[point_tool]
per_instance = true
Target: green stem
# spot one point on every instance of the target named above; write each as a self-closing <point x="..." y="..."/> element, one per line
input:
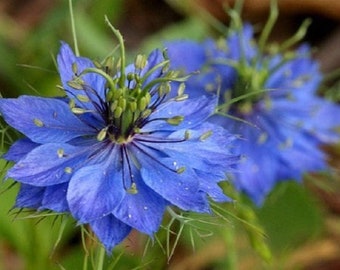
<point x="74" y="34"/>
<point x="273" y="15"/>
<point x="102" y="73"/>
<point x="101" y="257"/>
<point x="122" y="52"/>
<point x="86" y="253"/>
<point x="297" y="37"/>
<point x="231" y="254"/>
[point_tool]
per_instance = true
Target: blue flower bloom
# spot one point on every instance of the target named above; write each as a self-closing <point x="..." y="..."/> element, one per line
<point x="270" y="100"/>
<point x="117" y="150"/>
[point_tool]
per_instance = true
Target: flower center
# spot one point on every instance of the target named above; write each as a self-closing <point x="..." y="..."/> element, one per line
<point x="128" y="103"/>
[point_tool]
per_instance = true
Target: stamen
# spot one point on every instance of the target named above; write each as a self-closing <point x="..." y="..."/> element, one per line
<point x="159" y="140"/>
<point x="141" y="61"/>
<point x="181" y="97"/>
<point x="38" y="122"/>
<point x="83" y="98"/>
<point x="60" y="152"/>
<point x="77" y="110"/>
<point x="125" y="157"/>
<point x="205" y="135"/>
<point x="68" y="170"/>
<point x="176" y="120"/>
<point x="102" y="134"/>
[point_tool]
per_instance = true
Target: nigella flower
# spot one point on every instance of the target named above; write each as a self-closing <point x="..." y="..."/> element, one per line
<point x="117" y="150"/>
<point x="269" y="99"/>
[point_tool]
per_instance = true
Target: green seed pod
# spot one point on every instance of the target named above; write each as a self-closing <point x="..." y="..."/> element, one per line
<point x="142" y="103"/>
<point x="109" y="96"/>
<point x="117" y="93"/>
<point x="117" y="112"/>
<point x="133" y="106"/>
<point x="113" y="105"/>
<point x="147" y="97"/>
<point x="122" y="103"/>
<point x="130" y="76"/>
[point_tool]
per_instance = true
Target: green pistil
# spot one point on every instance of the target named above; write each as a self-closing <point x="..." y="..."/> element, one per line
<point x="129" y="100"/>
<point x="250" y="83"/>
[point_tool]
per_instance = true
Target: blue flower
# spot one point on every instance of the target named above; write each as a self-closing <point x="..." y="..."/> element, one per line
<point x="117" y="150"/>
<point x="270" y="100"/>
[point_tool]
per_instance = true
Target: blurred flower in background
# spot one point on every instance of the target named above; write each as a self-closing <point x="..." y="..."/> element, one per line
<point x="270" y="99"/>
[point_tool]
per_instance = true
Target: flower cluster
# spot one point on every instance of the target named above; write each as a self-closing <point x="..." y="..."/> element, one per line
<point x="119" y="148"/>
<point x="126" y="142"/>
<point x="269" y="99"/>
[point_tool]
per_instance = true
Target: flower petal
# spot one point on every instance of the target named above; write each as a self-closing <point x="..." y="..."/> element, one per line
<point x="143" y="210"/>
<point x="181" y="59"/>
<point x="95" y="83"/>
<point x="29" y="196"/>
<point x="209" y="184"/>
<point x="48" y="164"/>
<point x="19" y="149"/>
<point x="43" y="120"/>
<point x="110" y="231"/>
<point x="95" y="190"/>
<point x="55" y="198"/>
<point x="208" y="146"/>
<point x="179" y="188"/>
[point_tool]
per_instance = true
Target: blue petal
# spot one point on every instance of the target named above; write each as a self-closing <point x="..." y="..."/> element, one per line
<point x="95" y="83"/>
<point x="181" y="189"/>
<point x="186" y="54"/>
<point x="212" y="152"/>
<point x="257" y="176"/>
<point x="43" y="120"/>
<point x="48" y="164"/>
<point x="95" y="190"/>
<point x="29" y="196"/>
<point x="19" y="149"/>
<point x="110" y="231"/>
<point x="209" y="184"/>
<point x="55" y="198"/>
<point x="154" y="58"/>
<point x="194" y="111"/>
<point x="143" y="210"/>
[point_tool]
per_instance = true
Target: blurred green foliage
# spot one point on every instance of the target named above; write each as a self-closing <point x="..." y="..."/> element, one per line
<point x="28" y="55"/>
